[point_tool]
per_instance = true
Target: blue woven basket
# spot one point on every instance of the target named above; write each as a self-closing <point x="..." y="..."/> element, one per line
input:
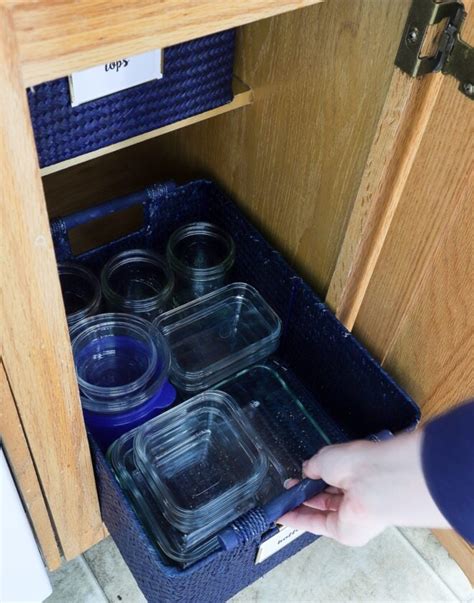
<point x="197" y="77"/>
<point x="350" y="393"/>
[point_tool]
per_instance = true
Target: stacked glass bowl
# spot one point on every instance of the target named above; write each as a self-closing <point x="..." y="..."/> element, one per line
<point x="194" y="469"/>
<point x="137" y="281"/>
<point x="81" y="292"/>
<point x="122" y="364"/>
<point x="201" y="256"/>
<point x="191" y="471"/>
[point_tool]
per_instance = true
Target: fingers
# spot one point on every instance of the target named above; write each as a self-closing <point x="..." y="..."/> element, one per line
<point x="291" y="481"/>
<point x="309" y="520"/>
<point x="328" y="523"/>
<point x="312" y="468"/>
<point x="325" y="501"/>
<point x="329" y="500"/>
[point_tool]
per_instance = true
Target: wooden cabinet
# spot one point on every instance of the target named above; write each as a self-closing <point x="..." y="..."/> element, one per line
<point x="360" y="174"/>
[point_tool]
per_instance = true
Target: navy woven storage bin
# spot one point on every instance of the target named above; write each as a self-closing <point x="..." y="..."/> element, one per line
<point x="350" y="394"/>
<point x="197" y="76"/>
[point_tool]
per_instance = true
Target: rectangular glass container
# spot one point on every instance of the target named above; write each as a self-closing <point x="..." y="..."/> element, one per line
<point x="218" y="334"/>
<point x="279" y="414"/>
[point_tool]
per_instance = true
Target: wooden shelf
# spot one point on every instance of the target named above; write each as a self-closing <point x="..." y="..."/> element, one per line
<point x="243" y="95"/>
<point x="57" y="38"/>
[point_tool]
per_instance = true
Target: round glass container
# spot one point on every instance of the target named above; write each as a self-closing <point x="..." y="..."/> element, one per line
<point x="201" y="256"/>
<point x="122" y="363"/>
<point x="81" y="291"/>
<point x="115" y="356"/>
<point x="106" y="427"/>
<point x="137" y="282"/>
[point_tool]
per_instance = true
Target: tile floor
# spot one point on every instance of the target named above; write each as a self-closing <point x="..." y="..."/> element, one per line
<point x="400" y="565"/>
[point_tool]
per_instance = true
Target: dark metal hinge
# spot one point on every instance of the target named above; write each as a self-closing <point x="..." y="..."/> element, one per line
<point x="453" y="56"/>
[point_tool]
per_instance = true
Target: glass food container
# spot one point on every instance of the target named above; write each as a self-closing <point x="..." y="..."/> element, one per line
<point x="283" y="418"/>
<point x="191" y="471"/>
<point x="202" y="460"/>
<point x="81" y="291"/>
<point x="137" y="282"/>
<point x="217" y="335"/>
<point x="122" y="364"/>
<point x="201" y="256"/>
<point x="180" y="548"/>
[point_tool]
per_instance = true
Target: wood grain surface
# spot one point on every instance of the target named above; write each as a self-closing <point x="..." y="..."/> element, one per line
<point x="35" y="340"/>
<point x="416" y="313"/>
<point x="16" y="449"/>
<point x="243" y="96"/>
<point x="399" y="133"/>
<point x="57" y="37"/>
<point x="433" y="210"/>
<point x="294" y="158"/>
<point x="431" y="351"/>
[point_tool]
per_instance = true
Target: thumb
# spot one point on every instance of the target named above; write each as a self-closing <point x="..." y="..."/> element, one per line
<point x="331" y="464"/>
<point x="312" y="467"/>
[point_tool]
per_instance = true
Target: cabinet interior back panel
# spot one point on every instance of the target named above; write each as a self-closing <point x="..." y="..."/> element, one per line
<point x="294" y="158"/>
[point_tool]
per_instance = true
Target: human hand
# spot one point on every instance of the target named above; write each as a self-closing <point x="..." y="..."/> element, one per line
<point x="372" y="485"/>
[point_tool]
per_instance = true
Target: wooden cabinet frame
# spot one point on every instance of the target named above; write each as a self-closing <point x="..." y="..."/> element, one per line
<point x="301" y="67"/>
<point x="39" y="41"/>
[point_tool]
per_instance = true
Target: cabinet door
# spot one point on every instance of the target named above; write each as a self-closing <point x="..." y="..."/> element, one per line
<point x="404" y="278"/>
<point x="16" y="449"/>
<point x="35" y="342"/>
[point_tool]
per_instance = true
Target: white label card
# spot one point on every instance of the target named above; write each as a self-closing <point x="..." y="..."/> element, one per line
<point x="275" y="543"/>
<point x="121" y="74"/>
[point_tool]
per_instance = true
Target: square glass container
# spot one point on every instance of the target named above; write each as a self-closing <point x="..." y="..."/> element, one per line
<point x="218" y="334"/>
<point x="181" y="548"/>
<point x="203" y="461"/>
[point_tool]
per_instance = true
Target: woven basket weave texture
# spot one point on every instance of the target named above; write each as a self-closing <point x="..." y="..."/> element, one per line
<point x="351" y="395"/>
<point x="197" y="76"/>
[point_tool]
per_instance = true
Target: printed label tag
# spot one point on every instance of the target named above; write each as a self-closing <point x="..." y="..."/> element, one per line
<point x="121" y="74"/>
<point x="276" y="542"/>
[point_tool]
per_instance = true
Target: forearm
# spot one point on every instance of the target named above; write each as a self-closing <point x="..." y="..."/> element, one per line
<point x="389" y="478"/>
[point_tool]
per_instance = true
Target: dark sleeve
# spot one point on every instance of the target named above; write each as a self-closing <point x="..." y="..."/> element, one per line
<point x="448" y="466"/>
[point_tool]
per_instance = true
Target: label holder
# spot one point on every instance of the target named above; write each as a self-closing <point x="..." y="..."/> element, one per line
<point x="115" y="76"/>
<point x="276" y="542"/>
